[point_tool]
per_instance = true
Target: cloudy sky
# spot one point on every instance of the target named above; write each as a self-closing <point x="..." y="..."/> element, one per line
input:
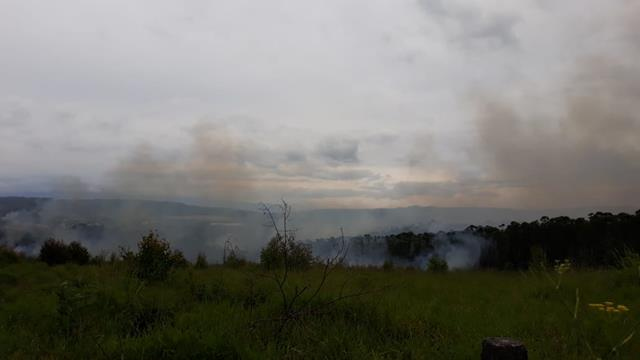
<point x="345" y="103"/>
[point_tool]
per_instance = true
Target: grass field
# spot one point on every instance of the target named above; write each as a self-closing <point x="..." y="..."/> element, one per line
<point x="74" y="312"/>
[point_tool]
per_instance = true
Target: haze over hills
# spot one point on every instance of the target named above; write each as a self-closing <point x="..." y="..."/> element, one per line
<point x="106" y="224"/>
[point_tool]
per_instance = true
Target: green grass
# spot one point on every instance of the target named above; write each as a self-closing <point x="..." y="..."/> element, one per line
<point x="73" y="312"/>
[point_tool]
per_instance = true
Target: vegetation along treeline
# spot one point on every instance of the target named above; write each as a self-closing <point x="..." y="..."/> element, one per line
<point x="599" y="240"/>
<point x="150" y="303"/>
<point x="596" y="241"/>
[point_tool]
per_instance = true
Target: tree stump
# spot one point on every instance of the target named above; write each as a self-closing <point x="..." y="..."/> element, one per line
<point x="498" y="348"/>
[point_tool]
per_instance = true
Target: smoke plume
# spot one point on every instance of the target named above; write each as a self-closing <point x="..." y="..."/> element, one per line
<point x="581" y="142"/>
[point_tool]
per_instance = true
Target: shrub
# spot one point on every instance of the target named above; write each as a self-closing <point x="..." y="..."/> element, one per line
<point x="437" y="264"/>
<point x="8" y="255"/>
<point x="126" y="254"/>
<point x="154" y="258"/>
<point x="627" y="258"/>
<point x="201" y="261"/>
<point x="99" y="259"/>
<point x="233" y="259"/>
<point x="281" y="252"/>
<point x="54" y="252"/>
<point x="178" y="260"/>
<point x="78" y="254"/>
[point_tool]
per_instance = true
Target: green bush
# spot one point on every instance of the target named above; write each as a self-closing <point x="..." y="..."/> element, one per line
<point x="8" y="255"/>
<point x="54" y="252"/>
<point x="178" y="260"/>
<point x="154" y="259"/>
<point x="281" y="252"/>
<point x="78" y="254"/>
<point x="233" y="259"/>
<point x="437" y="264"/>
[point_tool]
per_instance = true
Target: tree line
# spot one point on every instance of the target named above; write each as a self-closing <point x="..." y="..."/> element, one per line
<point x="599" y="240"/>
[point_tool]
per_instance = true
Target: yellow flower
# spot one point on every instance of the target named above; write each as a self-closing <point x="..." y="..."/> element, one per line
<point x="623" y="308"/>
<point x="597" y="305"/>
<point x="609" y="303"/>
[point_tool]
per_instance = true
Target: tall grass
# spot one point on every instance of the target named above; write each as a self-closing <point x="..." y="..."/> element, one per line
<point x="72" y="311"/>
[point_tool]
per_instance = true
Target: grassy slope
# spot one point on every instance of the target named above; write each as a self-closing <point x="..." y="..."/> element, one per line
<point x="99" y="312"/>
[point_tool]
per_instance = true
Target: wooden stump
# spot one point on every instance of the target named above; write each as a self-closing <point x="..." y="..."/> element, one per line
<point x="497" y="348"/>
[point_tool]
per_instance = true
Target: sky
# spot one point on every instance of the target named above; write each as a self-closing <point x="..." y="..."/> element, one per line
<point x="333" y="103"/>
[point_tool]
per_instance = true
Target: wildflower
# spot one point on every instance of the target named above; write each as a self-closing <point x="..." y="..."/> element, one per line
<point x="622" y="308"/>
<point x="609" y="306"/>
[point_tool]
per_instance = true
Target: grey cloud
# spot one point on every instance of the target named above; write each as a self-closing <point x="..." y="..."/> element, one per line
<point x="14" y="115"/>
<point x="88" y="106"/>
<point x="439" y="189"/>
<point x="436" y="7"/>
<point x="497" y="28"/>
<point x="472" y="25"/>
<point x="443" y="189"/>
<point x="322" y="193"/>
<point x="382" y="138"/>
<point x="339" y="151"/>
<point x="320" y="171"/>
<point x="295" y="156"/>
<point x="422" y="152"/>
<point x="221" y="167"/>
<point x="346" y="174"/>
